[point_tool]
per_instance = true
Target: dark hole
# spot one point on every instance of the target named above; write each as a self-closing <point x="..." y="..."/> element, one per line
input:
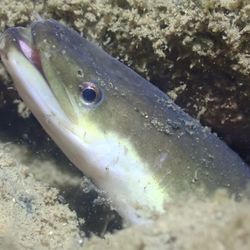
<point x="80" y="73"/>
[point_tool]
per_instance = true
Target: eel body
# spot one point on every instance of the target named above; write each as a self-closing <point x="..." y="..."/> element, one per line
<point x="119" y="129"/>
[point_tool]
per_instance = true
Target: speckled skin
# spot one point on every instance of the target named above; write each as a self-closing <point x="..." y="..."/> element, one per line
<point x="180" y="154"/>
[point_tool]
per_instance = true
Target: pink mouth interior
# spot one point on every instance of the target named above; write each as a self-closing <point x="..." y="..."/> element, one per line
<point x="30" y="54"/>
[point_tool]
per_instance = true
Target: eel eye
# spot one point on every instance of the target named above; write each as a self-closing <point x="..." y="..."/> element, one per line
<point x="90" y="93"/>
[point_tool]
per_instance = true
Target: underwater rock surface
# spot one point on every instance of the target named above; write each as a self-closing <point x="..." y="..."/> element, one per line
<point x="197" y="52"/>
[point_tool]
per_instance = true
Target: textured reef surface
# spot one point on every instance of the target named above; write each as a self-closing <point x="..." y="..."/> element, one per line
<point x="196" y="51"/>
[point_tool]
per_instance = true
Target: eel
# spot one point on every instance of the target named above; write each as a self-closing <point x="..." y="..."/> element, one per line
<point x="120" y="130"/>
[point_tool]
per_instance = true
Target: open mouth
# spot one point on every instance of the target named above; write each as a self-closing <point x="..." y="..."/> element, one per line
<point x="22" y="60"/>
<point x="30" y="53"/>
<point x="22" y="39"/>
